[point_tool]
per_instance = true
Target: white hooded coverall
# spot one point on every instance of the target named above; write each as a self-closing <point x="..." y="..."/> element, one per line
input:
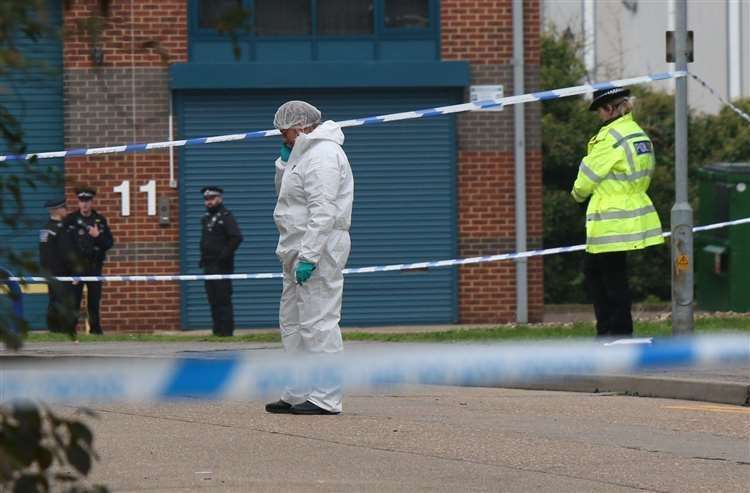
<point x="313" y="213"/>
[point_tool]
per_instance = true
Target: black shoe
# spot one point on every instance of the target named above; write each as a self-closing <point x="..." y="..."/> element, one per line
<point x="278" y="407"/>
<point x="97" y="332"/>
<point x="308" y="407"/>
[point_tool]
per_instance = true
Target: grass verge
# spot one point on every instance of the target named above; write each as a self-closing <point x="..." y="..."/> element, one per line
<point x="502" y="332"/>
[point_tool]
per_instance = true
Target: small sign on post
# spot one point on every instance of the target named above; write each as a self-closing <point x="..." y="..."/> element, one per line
<point x="671" y="48"/>
<point x="486" y="93"/>
<point x="683" y="262"/>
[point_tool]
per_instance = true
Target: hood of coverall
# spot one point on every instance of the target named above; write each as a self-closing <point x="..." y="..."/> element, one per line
<point x="328" y="130"/>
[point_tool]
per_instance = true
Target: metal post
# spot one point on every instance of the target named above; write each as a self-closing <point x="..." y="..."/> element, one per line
<point x="519" y="125"/>
<point x="589" y="37"/>
<point x="682" y="213"/>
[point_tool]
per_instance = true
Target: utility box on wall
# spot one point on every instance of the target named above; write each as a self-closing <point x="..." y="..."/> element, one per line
<point x="722" y="256"/>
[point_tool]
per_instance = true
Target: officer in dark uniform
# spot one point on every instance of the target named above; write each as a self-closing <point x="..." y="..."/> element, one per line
<point x="220" y="237"/>
<point x="56" y="258"/>
<point x="90" y="233"/>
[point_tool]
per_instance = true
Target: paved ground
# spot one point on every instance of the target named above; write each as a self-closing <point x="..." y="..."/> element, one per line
<point x="420" y="438"/>
<point x="430" y="438"/>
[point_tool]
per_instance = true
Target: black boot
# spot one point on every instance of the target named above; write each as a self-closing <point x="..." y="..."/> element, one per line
<point x="278" y="407"/>
<point x="308" y="407"/>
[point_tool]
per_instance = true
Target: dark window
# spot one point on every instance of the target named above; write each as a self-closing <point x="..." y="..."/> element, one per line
<point x="209" y="11"/>
<point x="414" y="14"/>
<point x="282" y="17"/>
<point x="344" y="17"/>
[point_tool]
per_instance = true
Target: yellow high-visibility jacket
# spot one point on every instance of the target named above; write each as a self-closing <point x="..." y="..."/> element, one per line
<point x="616" y="173"/>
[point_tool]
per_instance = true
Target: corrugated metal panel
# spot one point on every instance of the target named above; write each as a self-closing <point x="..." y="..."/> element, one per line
<point x="404" y="206"/>
<point x="35" y="99"/>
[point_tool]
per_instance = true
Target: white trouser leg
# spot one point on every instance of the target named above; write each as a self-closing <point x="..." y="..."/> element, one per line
<point x="320" y="313"/>
<point x="290" y="335"/>
<point x="310" y="315"/>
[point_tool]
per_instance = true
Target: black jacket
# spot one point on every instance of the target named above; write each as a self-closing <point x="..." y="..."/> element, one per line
<point x="90" y="252"/>
<point x="56" y="251"/>
<point x="220" y="237"/>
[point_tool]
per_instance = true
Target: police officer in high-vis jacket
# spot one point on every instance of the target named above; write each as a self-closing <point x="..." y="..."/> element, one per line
<point x="220" y="238"/>
<point x="615" y="175"/>
<point x="56" y="258"/>
<point x="91" y="236"/>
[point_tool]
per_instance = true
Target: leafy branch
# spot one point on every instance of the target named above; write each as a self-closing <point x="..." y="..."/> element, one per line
<point x="39" y="449"/>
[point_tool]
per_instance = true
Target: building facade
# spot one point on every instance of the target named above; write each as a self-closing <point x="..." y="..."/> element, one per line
<point x="627" y="38"/>
<point x="428" y="189"/>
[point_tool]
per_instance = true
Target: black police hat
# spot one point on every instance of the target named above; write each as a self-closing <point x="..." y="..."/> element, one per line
<point x="55" y="203"/>
<point x="603" y="96"/>
<point x="211" y="191"/>
<point x="85" y="193"/>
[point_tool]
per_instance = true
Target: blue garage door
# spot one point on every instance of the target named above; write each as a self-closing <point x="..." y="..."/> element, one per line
<point x="35" y="99"/>
<point x="404" y="206"/>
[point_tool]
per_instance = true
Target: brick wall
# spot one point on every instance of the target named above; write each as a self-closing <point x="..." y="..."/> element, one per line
<point x="125" y="100"/>
<point x="481" y="32"/>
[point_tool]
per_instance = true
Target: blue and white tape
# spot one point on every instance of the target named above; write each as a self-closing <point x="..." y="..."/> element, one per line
<point x="357" y="270"/>
<point x="718" y="96"/>
<point x="242" y="377"/>
<point x="371" y="120"/>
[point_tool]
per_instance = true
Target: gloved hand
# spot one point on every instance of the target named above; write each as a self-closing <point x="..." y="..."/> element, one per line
<point x="285" y="152"/>
<point x="303" y="271"/>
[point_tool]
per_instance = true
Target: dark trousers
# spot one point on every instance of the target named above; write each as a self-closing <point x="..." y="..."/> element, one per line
<point x="92" y="302"/>
<point x="607" y="282"/>
<point x="220" y="299"/>
<point x="61" y="311"/>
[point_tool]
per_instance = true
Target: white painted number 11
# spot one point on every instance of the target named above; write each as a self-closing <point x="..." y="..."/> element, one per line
<point x="124" y="190"/>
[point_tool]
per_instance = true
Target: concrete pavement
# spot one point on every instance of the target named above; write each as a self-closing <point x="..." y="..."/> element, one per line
<point x="424" y="438"/>
<point x="732" y="388"/>
<point x="429" y="439"/>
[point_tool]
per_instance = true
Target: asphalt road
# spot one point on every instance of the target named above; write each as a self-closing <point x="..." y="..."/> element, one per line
<point x="429" y="438"/>
<point x="417" y="438"/>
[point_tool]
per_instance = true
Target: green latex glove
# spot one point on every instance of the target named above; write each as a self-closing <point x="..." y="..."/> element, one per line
<point x="285" y="152"/>
<point x="303" y="271"/>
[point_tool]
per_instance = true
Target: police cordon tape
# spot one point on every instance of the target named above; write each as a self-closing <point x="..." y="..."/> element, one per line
<point x="371" y="120"/>
<point x="349" y="271"/>
<point x="361" y="368"/>
<point x="710" y="89"/>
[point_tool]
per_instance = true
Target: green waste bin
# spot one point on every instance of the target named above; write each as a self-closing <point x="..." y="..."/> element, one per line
<point x="722" y="256"/>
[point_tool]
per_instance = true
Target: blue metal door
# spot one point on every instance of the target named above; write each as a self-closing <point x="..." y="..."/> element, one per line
<point x="35" y="99"/>
<point x="404" y="205"/>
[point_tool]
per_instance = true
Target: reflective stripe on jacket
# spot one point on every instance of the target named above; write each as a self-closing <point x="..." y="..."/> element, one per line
<point x="616" y="174"/>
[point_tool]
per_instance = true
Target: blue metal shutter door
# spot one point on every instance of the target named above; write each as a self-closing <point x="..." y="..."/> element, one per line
<point x="35" y="99"/>
<point x="404" y="205"/>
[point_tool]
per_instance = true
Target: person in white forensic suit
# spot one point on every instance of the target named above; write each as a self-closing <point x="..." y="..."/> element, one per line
<point x="313" y="214"/>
